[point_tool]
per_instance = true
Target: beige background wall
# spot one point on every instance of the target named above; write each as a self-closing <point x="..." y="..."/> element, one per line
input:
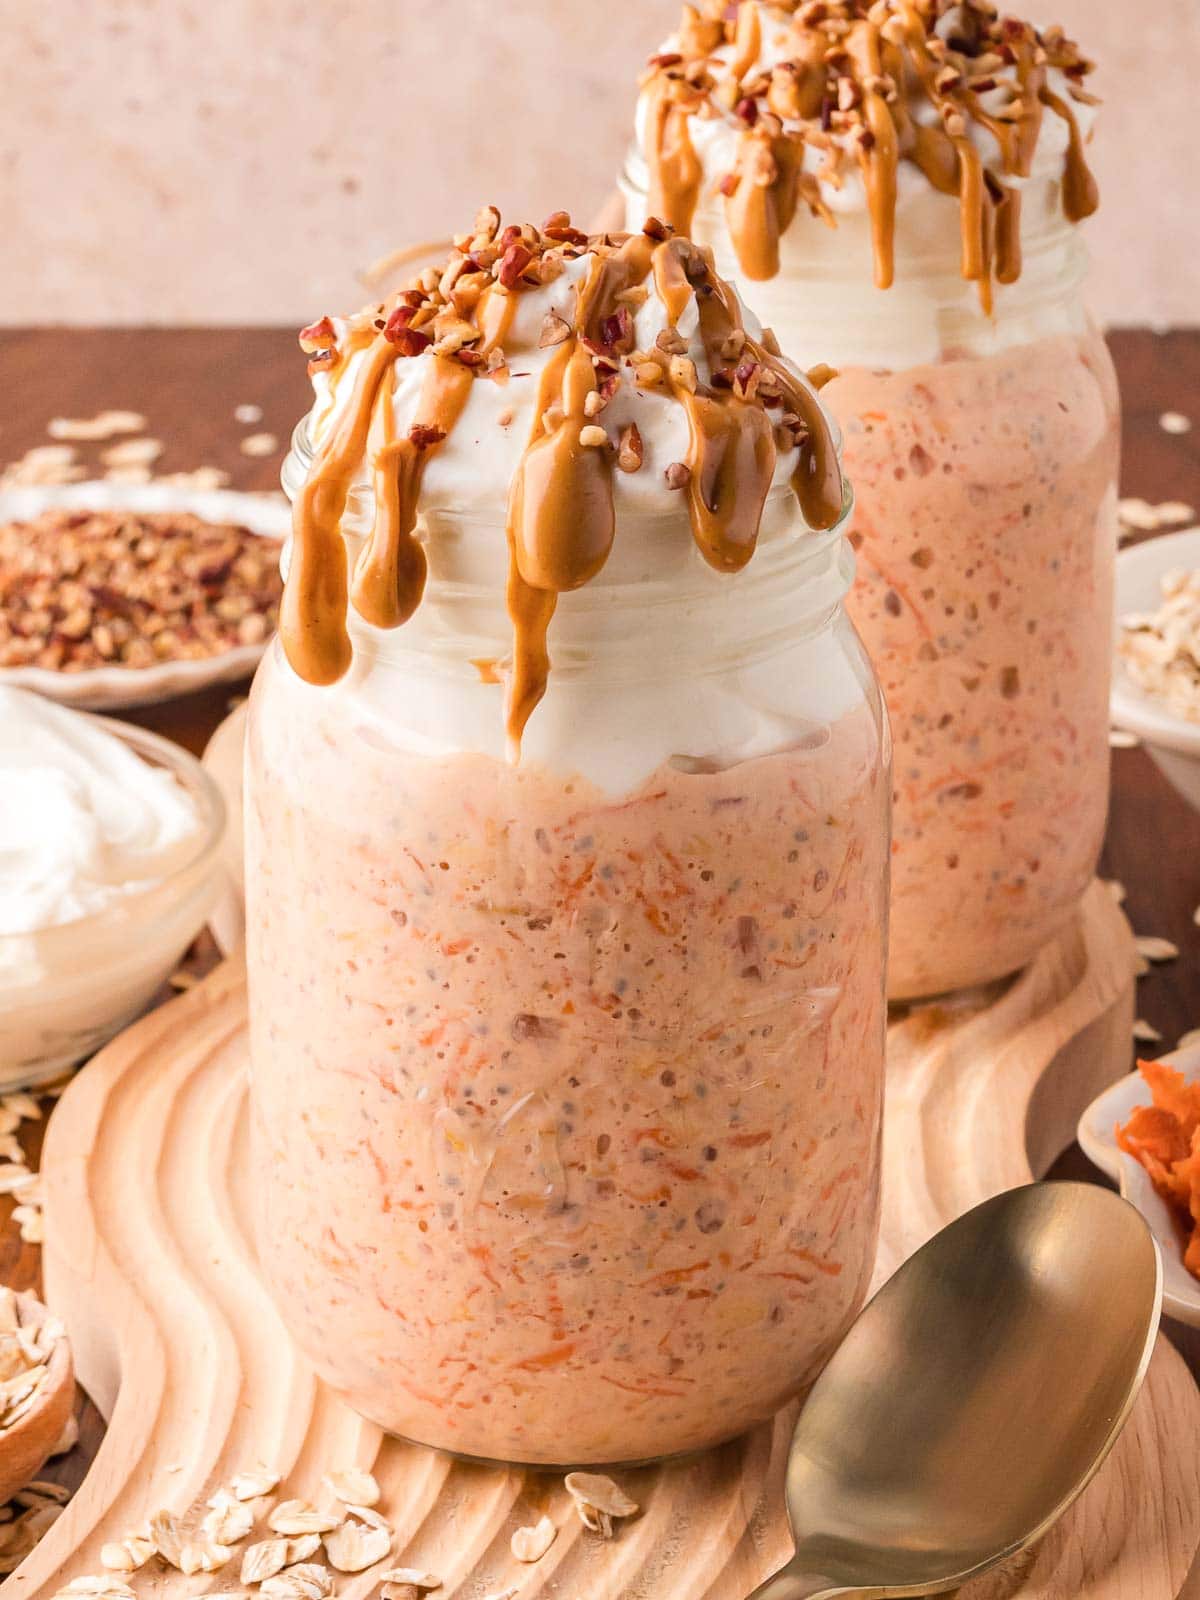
<point x="214" y="161"/>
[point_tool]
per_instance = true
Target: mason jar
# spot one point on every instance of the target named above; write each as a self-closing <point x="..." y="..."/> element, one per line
<point x="983" y="448"/>
<point x="567" y="1073"/>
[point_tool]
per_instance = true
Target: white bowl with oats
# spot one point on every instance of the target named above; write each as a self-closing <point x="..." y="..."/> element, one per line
<point x="127" y="631"/>
<point x="1156" y="680"/>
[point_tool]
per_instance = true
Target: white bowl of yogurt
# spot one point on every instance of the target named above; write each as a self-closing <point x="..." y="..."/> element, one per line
<point x="1172" y="740"/>
<point x="109" y="867"/>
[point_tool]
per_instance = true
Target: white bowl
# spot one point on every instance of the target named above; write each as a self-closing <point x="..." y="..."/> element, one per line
<point x="113" y="688"/>
<point x="1173" y="742"/>
<point x="67" y="990"/>
<point x="1097" y="1136"/>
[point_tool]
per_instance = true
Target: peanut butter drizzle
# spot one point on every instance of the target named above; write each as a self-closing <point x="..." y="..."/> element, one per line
<point x="762" y="194"/>
<point x="312" y="614"/>
<point x="1081" y="196"/>
<point x="760" y="210"/>
<point x="674" y="166"/>
<point x="561" y="519"/>
<point x="747" y="42"/>
<point x="732" y="450"/>
<point x="389" y="578"/>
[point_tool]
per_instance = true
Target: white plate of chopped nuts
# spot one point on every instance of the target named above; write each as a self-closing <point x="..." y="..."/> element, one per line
<point x="116" y="595"/>
<point x="1156" y="681"/>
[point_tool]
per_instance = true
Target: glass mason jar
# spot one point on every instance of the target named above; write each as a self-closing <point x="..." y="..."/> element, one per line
<point x="567" y="1074"/>
<point x="983" y="450"/>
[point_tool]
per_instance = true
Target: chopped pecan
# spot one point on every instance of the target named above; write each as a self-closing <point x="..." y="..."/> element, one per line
<point x="425" y="436"/>
<point x="512" y="264"/>
<point x="555" y="330"/>
<point x="630" y="451"/>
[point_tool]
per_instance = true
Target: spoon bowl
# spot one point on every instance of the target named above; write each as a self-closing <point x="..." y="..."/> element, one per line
<point x="974" y="1398"/>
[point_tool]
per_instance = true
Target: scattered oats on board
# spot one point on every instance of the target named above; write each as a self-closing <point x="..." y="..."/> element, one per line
<point x="410" y="1578"/>
<point x="164" y="1531"/>
<point x="598" y="1500"/>
<point x="308" y="1581"/>
<point x="1175" y="422"/>
<point x="101" y="1588"/>
<point x="1122" y="739"/>
<point x="197" y="478"/>
<point x="133" y="473"/>
<point x="247" y="414"/>
<point x="259" y="444"/>
<point x="531" y="1544"/>
<point x="1145" y="1032"/>
<point x="356" y="1545"/>
<point x="1139" y="516"/>
<point x="1155" y="949"/>
<point x="105" y="425"/>
<point x="229" y="1520"/>
<point x="23" y="1105"/>
<point x="353" y="1487"/>
<point x="24" y="1523"/>
<point x="252" y="1485"/>
<point x="132" y="453"/>
<point x="44" y="464"/>
<point x="264" y="1560"/>
<point x="299" y="1516"/>
<point x="127" y="1555"/>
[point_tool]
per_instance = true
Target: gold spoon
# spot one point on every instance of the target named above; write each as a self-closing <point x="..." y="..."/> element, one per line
<point x="974" y="1398"/>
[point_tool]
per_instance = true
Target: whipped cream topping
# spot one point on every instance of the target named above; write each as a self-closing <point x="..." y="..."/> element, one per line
<point x="472" y="469"/>
<point x="836" y="108"/>
<point x="84" y="821"/>
<point x="557" y="384"/>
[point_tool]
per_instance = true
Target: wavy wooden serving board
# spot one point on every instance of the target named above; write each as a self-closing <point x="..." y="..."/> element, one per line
<point x="149" y="1262"/>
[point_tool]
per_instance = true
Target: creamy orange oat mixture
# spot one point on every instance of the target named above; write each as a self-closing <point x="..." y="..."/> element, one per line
<point x="567" y="1107"/>
<point x="986" y="532"/>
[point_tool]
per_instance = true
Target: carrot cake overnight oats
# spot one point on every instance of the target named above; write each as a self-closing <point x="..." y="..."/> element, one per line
<point x="902" y="180"/>
<point x="567" y="896"/>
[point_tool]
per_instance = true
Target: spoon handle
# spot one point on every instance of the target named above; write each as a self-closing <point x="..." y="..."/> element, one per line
<point x="792" y="1584"/>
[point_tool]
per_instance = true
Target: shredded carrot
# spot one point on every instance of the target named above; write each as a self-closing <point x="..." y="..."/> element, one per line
<point x="831" y="1269"/>
<point x="1165" y="1138"/>
<point x="553" y="1357"/>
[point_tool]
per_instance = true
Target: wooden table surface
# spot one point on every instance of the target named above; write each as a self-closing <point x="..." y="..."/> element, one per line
<point x="188" y="383"/>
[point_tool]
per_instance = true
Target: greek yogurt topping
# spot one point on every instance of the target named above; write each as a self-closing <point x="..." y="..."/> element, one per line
<point x="554" y="379"/>
<point x="83" y="820"/>
<point x="838" y="107"/>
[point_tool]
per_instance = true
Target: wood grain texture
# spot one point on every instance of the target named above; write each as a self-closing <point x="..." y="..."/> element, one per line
<point x="152" y="1266"/>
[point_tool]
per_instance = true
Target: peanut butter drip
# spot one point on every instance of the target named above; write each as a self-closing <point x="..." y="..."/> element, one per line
<point x="742" y="404"/>
<point x="855" y="71"/>
<point x="675" y="170"/>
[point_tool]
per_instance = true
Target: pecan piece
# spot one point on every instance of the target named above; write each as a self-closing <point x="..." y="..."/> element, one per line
<point x="630" y="451"/>
<point x="512" y="264"/>
<point x="555" y="330"/>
